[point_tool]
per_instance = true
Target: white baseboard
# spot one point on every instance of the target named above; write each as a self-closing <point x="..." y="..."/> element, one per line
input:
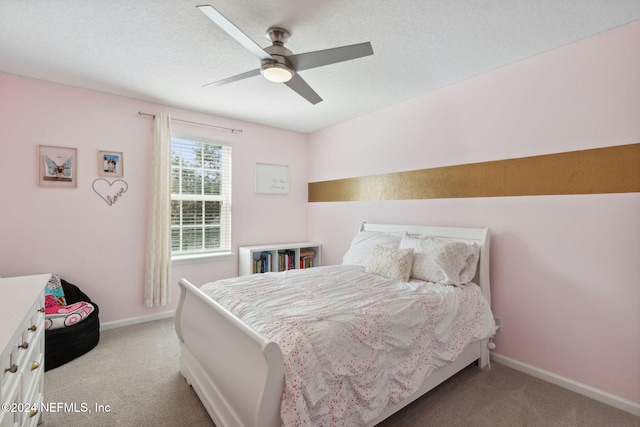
<point x="135" y="320"/>
<point x="569" y="384"/>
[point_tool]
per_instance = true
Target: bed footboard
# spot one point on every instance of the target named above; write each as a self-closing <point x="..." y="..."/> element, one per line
<point x="237" y="373"/>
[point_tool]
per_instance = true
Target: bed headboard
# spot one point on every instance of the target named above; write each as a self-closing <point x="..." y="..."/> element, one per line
<point x="480" y="236"/>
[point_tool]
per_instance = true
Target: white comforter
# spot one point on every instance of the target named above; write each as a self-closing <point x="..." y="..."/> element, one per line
<point x="354" y="341"/>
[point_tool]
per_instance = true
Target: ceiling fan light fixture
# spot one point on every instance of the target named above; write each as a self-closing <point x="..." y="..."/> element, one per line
<point x="277" y="72"/>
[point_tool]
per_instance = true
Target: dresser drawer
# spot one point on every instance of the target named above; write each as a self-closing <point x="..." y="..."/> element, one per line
<point x="17" y="354"/>
<point x="34" y="325"/>
<point x="34" y="398"/>
<point x="12" y="397"/>
<point x="32" y="418"/>
<point x="32" y="370"/>
<point x="22" y="350"/>
<point x="10" y="365"/>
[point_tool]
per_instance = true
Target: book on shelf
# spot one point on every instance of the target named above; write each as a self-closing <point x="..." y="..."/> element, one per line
<point x="263" y="263"/>
<point x="286" y="259"/>
<point x="306" y="258"/>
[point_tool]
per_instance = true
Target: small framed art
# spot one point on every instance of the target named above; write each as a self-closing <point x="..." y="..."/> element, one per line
<point x="111" y="163"/>
<point x="272" y="179"/>
<point x="57" y="166"/>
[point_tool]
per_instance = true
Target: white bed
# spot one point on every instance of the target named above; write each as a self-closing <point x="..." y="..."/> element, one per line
<point x="239" y="373"/>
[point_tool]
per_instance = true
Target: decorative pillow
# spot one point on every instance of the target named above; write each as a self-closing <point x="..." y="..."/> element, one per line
<point x="362" y="245"/>
<point x="391" y="263"/>
<point x="54" y="287"/>
<point x="442" y="261"/>
<point x="58" y="316"/>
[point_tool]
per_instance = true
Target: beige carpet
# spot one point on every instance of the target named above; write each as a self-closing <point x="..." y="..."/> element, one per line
<point x="133" y="377"/>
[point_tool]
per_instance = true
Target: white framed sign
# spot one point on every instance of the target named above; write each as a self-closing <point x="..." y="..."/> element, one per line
<point x="272" y="179"/>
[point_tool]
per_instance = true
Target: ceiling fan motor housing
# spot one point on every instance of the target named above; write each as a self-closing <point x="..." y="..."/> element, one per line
<point x="278" y="52"/>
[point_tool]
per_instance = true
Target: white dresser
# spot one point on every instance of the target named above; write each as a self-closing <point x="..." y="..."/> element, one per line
<point x="22" y="346"/>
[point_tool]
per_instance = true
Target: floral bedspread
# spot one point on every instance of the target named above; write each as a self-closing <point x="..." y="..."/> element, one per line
<point x="354" y="341"/>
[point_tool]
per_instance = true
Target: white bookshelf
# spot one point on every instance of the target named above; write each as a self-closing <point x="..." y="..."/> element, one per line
<point x="273" y="256"/>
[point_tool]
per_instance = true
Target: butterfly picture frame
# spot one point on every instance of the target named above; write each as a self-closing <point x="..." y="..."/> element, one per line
<point x="57" y="166"/>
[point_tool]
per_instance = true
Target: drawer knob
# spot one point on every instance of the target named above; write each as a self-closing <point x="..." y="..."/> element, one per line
<point x="24" y="345"/>
<point x="41" y="310"/>
<point x="32" y="328"/>
<point x="34" y="365"/>
<point x="13" y="369"/>
<point x="33" y="413"/>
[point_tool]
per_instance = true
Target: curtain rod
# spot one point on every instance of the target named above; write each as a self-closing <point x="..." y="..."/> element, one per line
<point x="140" y="113"/>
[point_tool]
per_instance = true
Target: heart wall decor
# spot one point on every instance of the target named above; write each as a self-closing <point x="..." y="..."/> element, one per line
<point x="110" y="191"/>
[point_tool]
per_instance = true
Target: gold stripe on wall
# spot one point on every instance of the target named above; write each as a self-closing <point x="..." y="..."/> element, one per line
<point x="595" y="171"/>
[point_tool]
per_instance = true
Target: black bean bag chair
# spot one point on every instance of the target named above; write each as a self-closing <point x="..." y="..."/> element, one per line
<point x="65" y="344"/>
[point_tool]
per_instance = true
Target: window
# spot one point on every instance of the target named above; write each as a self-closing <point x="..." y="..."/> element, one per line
<point x="200" y="197"/>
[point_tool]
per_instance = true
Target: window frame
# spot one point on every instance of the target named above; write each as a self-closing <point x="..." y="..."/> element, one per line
<point x="225" y="197"/>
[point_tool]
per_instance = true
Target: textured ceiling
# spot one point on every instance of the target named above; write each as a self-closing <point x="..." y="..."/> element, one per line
<point x="165" y="50"/>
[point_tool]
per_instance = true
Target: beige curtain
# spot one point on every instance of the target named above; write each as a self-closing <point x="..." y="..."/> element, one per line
<point x="157" y="290"/>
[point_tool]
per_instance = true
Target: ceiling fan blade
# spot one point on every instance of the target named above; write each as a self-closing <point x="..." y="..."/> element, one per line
<point x="234" y="31"/>
<point x="301" y="87"/>
<point x="235" y="78"/>
<point x="305" y="61"/>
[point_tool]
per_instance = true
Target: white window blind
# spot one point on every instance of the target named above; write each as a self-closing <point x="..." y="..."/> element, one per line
<point x="200" y="196"/>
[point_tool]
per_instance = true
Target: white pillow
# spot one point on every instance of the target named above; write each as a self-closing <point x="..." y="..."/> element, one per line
<point x="442" y="261"/>
<point x="361" y="250"/>
<point x="391" y="263"/>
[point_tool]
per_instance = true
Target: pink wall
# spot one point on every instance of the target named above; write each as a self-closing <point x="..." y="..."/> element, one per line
<point x="564" y="269"/>
<point x="100" y="247"/>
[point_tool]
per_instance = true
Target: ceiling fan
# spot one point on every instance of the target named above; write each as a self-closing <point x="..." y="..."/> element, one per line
<point x="279" y="64"/>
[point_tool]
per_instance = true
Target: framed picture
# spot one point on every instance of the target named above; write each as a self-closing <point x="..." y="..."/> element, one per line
<point x="111" y="163"/>
<point x="272" y="179"/>
<point x="57" y="166"/>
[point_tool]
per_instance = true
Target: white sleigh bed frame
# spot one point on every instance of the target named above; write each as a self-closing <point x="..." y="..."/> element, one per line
<point x="238" y="374"/>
